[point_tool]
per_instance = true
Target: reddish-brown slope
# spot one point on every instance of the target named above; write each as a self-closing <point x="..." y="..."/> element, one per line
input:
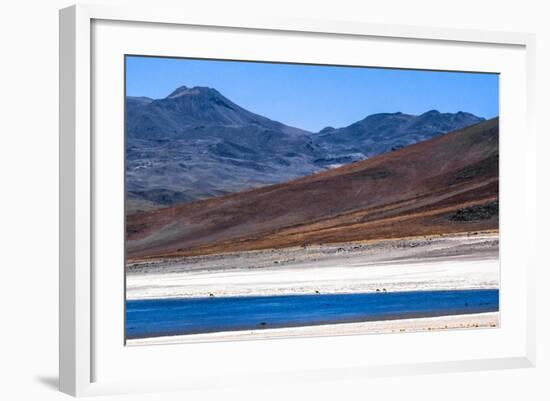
<point x="413" y="191"/>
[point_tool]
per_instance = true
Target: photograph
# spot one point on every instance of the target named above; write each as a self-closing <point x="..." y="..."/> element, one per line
<point x="272" y="200"/>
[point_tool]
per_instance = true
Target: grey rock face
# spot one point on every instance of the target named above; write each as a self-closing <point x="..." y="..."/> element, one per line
<point x="381" y="133"/>
<point x="196" y="143"/>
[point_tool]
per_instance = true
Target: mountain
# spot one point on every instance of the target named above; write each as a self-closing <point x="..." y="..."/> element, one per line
<point x="195" y="107"/>
<point x="196" y="144"/>
<point x="137" y="101"/>
<point x="443" y="185"/>
<point x="384" y="132"/>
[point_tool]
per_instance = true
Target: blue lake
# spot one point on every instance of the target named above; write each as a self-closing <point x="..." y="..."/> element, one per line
<point x="165" y="317"/>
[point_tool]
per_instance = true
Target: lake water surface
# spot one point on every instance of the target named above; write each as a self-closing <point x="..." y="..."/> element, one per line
<point x="165" y="317"/>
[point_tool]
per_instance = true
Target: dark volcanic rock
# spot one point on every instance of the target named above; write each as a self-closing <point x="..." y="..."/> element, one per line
<point x="476" y="213"/>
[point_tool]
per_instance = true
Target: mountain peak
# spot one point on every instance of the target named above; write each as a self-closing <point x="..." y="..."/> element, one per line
<point x="138" y="100"/>
<point x="178" y="91"/>
<point x="327" y="129"/>
<point x="466" y="114"/>
<point x="186" y="91"/>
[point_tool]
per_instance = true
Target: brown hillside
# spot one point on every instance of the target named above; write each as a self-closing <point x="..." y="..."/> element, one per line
<point x="444" y="185"/>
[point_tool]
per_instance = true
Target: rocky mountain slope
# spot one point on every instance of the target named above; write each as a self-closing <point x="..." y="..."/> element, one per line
<point x="197" y="144"/>
<point x="444" y="185"/>
<point x="384" y="132"/>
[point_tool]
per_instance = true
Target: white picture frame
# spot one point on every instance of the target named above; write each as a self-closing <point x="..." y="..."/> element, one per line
<point x="81" y="344"/>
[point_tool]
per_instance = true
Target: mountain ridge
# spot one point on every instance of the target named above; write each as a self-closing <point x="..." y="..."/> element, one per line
<point x="195" y="144"/>
<point x="392" y="195"/>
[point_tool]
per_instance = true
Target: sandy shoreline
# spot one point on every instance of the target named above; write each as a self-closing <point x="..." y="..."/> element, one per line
<point x="440" y="263"/>
<point x="478" y="320"/>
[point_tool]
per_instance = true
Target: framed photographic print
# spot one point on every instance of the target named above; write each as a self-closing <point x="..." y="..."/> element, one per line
<point x="345" y="197"/>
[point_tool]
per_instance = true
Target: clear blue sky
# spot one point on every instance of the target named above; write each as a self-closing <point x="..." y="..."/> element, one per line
<point x="313" y="97"/>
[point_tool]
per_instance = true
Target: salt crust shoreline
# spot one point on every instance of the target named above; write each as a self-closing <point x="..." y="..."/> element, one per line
<point x="451" y="262"/>
<point x="446" y="263"/>
<point x="468" y="321"/>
